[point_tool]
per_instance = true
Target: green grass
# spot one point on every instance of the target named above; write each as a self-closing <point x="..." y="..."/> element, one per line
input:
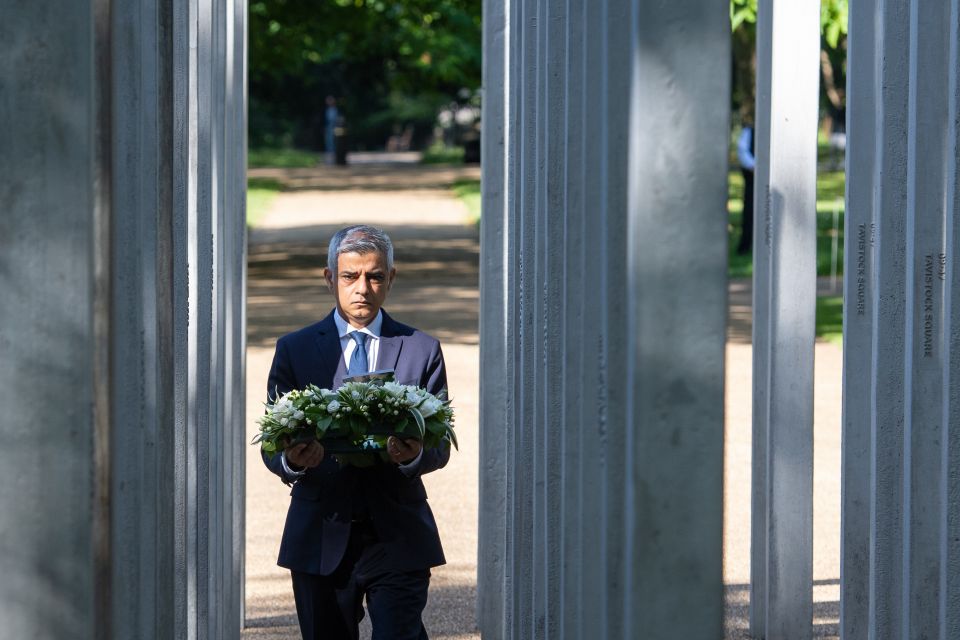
<point x="439" y="153"/>
<point x="738" y="266"/>
<point x="469" y="192"/>
<point x="260" y="194"/>
<point x="281" y="158"/>
<point x="830" y="189"/>
<point x="830" y="318"/>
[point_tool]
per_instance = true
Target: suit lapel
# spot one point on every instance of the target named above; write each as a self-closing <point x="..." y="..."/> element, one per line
<point x="390" y="344"/>
<point x="330" y="354"/>
<point x="330" y="358"/>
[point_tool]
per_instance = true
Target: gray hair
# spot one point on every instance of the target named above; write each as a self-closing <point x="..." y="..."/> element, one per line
<point x="362" y="239"/>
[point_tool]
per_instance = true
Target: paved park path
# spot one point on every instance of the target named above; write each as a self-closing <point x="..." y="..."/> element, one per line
<point x="437" y="290"/>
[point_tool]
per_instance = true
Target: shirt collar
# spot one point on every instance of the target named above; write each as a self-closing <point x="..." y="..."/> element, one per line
<point x="344" y="328"/>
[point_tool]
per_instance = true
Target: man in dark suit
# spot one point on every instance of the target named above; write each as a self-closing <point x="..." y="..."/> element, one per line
<point x="353" y="532"/>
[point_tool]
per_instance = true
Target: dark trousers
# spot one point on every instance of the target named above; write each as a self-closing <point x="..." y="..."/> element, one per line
<point x="746" y="235"/>
<point x="331" y="607"/>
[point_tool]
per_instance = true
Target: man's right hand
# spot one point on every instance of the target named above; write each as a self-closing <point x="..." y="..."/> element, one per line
<point x="304" y="455"/>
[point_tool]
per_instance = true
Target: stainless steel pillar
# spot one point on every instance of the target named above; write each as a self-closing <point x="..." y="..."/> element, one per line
<point x="784" y="306"/>
<point x="603" y="319"/>
<point x="122" y="332"/>
<point x="901" y="485"/>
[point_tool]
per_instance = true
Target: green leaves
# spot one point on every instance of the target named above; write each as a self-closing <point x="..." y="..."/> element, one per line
<point x="833" y="18"/>
<point x="322" y="422"/>
<point x="742" y="11"/>
<point x="833" y="31"/>
<point x="372" y="55"/>
<point x="363" y="414"/>
<point x="419" y="419"/>
<point x="833" y="21"/>
<point x="451" y="437"/>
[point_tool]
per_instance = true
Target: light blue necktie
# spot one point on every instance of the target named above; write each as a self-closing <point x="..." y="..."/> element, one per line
<point x="358" y="361"/>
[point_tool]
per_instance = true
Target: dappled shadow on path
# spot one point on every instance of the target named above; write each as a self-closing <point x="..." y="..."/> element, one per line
<point x="436" y="288"/>
<point x="372" y="178"/>
<point x="826" y="614"/>
<point x="264" y="623"/>
<point x="437" y="291"/>
<point x="740" y="311"/>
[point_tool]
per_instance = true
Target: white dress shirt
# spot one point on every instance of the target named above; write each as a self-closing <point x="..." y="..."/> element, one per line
<point x="347" y="345"/>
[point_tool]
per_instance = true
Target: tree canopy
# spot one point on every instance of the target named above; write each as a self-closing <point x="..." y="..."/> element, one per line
<point x="833" y="56"/>
<point x="395" y="63"/>
<point x="833" y="18"/>
<point x="387" y="62"/>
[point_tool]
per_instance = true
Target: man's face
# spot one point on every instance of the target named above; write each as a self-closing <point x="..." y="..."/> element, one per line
<point x="361" y="286"/>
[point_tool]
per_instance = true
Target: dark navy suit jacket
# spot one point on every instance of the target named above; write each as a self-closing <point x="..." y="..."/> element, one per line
<point x="325" y="500"/>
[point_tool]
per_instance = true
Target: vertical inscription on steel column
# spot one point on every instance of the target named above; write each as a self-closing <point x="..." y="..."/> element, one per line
<point x="768" y="220"/>
<point x="934" y="270"/>
<point x="863" y="241"/>
<point x="928" y="306"/>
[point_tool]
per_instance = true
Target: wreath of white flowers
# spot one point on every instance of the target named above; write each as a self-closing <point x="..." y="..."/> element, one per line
<point x="355" y="420"/>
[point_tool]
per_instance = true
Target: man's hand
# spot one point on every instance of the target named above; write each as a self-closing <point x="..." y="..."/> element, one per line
<point x="403" y="451"/>
<point x="305" y="454"/>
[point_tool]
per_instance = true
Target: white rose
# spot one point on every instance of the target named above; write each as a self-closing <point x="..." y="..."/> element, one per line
<point x="333" y="406"/>
<point x="393" y="387"/>
<point x="429" y="407"/>
<point x="298" y="415"/>
<point x="284" y="421"/>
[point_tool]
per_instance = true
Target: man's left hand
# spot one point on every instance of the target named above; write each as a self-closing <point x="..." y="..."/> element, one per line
<point x="403" y="451"/>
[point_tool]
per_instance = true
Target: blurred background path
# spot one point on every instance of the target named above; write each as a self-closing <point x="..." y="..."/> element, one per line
<point x="437" y="253"/>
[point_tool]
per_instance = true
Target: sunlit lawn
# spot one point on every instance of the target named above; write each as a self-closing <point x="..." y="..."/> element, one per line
<point x="469" y="192"/>
<point x="830" y="187"/>
<point x="282" y="158"/>
<point x="260" y="193"/>
<point x="442" y="154"/>
<point x="830" y="318"/>
<point x="830" y="209"/>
